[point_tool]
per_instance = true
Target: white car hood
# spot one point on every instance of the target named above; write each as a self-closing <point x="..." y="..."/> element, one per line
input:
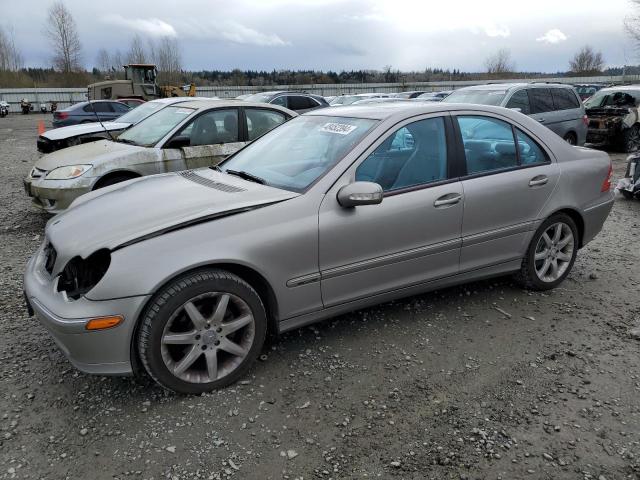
<point x="89" y="154"/>
<point x="63" y="133"/>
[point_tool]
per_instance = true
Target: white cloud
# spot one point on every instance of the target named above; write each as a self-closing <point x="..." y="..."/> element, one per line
<point x="232" y="32"/>
<point x="497" y="30"/>
<point x="150" y="26"/>
<point x="552" y="36"/>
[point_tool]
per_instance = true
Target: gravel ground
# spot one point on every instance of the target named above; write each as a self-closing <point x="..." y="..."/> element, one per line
<point x="484" y="380"/>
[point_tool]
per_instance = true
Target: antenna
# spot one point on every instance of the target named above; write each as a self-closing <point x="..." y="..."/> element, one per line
<point x="93" y="109"/>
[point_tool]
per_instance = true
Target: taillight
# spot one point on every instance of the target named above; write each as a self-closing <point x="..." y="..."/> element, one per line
<point x="61" y="115"/>
<point x="606" y="185"/>
<point x="585" y="120"/>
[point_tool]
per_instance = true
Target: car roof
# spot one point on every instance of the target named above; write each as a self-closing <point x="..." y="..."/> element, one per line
<point x="387" y="110"/>
<point x="509" y="86"/>
<point x="621" y="88"/>
<point x="203" y="104"/>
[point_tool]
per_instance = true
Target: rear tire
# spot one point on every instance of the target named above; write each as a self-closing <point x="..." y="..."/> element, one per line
<point x="631" y="139"/>
<point x="550" y="255"/>
<point x="202" y="331"/>
<point x="571" y="138"/>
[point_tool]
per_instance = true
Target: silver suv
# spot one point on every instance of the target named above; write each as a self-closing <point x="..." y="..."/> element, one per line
<point x="554" y="105"/>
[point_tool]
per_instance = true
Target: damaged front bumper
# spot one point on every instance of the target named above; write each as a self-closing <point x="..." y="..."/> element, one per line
<point x="104" y="352"/>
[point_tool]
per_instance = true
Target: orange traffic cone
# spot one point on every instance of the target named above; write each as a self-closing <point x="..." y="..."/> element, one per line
<point x="40" y="127"/>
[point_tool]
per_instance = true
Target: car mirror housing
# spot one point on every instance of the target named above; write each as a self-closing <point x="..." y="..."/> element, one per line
<point x="360" y="193"/>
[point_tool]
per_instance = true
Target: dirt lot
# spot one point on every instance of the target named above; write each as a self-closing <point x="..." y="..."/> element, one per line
<point x="480" y="381"/>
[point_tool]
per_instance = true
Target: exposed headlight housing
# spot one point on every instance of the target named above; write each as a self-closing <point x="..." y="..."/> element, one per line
<point x="82" y="274"/>
<point x="68" y="172"/>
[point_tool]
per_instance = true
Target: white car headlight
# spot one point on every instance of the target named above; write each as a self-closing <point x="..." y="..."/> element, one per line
<point x="65" y="173"/>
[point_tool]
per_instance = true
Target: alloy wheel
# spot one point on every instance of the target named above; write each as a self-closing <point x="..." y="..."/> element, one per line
<point x="554" y="252"/>
<point x="208" y="337"/>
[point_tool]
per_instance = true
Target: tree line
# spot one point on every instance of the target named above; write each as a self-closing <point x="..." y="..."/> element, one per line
<point x="67" y="66"/>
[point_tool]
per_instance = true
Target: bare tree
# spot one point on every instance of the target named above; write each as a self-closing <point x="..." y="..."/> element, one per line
<point x="586" y="61"/>
<point x="500" y="63"/>
<point x="10" y="57"/>
<point x="65" y="42"/>
<point x="103" y="61"/>
<point x="137" y="52"/>
<point x="167" y="57"/>
<point x="632" y="22"/>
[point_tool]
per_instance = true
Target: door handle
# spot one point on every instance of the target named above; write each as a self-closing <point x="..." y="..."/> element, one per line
<point x="448" y="199"/>
<point x="538" y="181"/>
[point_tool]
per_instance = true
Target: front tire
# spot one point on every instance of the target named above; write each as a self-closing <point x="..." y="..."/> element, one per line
<point x="201" y="332"/>
<point x="551" y="254"/>
<point x="631" y="139"/>
<point x="571" y="138"/>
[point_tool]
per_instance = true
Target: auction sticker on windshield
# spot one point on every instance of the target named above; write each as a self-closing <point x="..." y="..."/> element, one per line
<point x="339" y="128"/>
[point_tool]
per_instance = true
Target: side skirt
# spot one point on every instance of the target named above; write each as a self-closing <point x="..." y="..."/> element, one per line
<point x="481" y="273"/>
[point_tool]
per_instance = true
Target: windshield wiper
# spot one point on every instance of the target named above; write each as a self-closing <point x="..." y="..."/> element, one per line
<point x="246" y="176"/>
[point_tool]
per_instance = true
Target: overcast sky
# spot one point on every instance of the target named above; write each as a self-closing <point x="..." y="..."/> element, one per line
<point x="341" y="34"/>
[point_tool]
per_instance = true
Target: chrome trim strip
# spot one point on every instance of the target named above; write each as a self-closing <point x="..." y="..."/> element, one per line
<point x="495" y="234"/>
<point x="303" y="280"/>
<point x="390" y="259"/>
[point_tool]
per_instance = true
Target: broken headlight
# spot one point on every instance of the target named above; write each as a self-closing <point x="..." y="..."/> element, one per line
<point x="82" y="274"/>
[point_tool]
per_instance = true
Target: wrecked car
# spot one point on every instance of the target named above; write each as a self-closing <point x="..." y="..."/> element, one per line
<point x="63" y="137"/>
<point x="614" y="119"/>
<point x="629" y="186"/>
<point x="178" y="137"/>
<point x="186" y="273"/>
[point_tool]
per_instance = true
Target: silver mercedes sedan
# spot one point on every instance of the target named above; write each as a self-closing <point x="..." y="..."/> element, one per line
<point x="338" y="209"/>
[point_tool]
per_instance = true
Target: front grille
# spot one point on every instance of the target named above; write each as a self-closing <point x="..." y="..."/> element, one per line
<point x="37" y="172"/>
<point x="50" y="256"/>
<point x="207" y="182"/>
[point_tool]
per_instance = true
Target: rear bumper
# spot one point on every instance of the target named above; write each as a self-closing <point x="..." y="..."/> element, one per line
<point x="104" y="352"/>
<point x="594" y="218"/>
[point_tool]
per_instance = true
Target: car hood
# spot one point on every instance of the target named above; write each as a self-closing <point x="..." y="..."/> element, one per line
<point x="83" y="129"/>
<point x="87" y="153"/>
<point x="145" y="207"/>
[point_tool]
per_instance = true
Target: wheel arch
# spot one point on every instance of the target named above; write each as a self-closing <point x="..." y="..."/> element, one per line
<point x="254" y="278"/>
<point x="129" y="174"/>
<point x="576" y="216"/>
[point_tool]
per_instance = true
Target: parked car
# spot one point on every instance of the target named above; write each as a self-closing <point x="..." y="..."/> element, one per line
<point x="370" y="101"/>
<point x="296" y="101"/>
<point x="434" y="96"/>
<point x="185" y="273"/>
<point x="4" y="109"/>
<point x="556" y="106"/>
<point x="63" y="137"/>
<point x="83" y="112"/>
<point x="132" y="102"/>
<point x="181" y="136"/>
<point x="349" y="99"/>
<point x="629" y="185"/>
<point x="614" y="118"/>
<point x="409" y="94"/>
<point x="586" y="90"/>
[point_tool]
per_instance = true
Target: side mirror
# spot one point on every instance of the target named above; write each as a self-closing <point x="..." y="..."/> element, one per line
<point x="360" y="193"/>
<point x="178" y="142"/>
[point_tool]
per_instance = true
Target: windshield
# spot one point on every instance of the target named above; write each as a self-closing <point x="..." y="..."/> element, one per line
<point x="345" y="100"/>
<point x="609" y="98"/>
<point x="480" y="97"/>
<point x="143" y="111"/>
<point x="295" y="154"/>
<point x="152" y="129"/>
<point x="259" y="97"/>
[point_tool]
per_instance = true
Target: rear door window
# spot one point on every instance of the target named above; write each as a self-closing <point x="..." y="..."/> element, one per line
<point x="530" y="152"/>
<point x="520" y="100"/>
<point x="541" y="100"/>
<point x="261" y="120"/>
<point x="99" y="107"/>
<point x="299" y="102"/>
<point x="564" y="99"/>
<point x="120" y="107"/>
<point x="488" y="144"/>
